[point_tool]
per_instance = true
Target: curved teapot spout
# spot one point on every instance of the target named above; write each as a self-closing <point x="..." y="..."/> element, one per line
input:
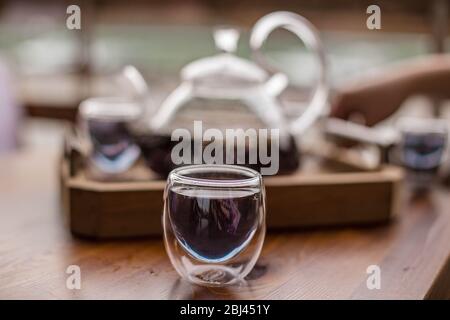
<point x="136" y="81"/>
<point x="276" y="84"/>
<point x="137" y="88"/>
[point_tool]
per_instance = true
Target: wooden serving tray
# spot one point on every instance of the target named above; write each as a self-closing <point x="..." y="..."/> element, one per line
<point x="321" y="193"/>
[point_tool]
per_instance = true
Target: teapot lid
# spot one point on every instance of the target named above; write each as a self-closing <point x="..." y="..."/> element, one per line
<point x="224" y="70"/>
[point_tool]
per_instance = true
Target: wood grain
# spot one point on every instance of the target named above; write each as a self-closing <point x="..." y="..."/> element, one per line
<point x="36" y="248"/>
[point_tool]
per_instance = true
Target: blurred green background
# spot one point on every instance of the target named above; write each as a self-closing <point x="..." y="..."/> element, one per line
<point x="159" y="37"/>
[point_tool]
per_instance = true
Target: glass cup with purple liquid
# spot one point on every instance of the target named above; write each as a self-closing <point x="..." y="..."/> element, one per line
<point x="214" y="222"/>
<point x="423" y="146"/>
<point x="105" y="125"/>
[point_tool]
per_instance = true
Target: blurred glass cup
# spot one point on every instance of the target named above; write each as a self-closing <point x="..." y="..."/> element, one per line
<point x="105" y="128"/>
<point x="422" y="149"/>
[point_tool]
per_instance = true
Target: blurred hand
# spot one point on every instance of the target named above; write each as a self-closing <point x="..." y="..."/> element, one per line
<point x="373" y="100"/>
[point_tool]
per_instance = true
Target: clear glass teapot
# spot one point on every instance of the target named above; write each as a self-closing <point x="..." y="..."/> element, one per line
<point x="227" y="110"/>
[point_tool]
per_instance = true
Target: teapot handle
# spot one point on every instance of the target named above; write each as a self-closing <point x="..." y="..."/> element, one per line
<point x="304" y="30"/>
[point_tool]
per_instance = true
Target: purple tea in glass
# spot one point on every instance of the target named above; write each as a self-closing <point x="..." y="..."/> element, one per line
<point x="422" y="149"/>
<point x="214" y="222"/>
<point x="105" y="123"/>
<point x="156" y="150"/>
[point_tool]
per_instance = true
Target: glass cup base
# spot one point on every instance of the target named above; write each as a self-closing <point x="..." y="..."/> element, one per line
<point x="213" y="276"/>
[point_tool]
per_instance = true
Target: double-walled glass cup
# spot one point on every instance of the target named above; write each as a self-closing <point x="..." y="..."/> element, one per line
<point x="214" y="222"/>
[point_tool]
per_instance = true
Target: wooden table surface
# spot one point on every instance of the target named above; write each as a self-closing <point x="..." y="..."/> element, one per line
<point x="413" y="252"/>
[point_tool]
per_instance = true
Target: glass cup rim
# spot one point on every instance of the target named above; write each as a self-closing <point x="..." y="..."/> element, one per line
<point x="180" y="175"/>
<point x="418" y="125"/>
<point x="112" y="108"/>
